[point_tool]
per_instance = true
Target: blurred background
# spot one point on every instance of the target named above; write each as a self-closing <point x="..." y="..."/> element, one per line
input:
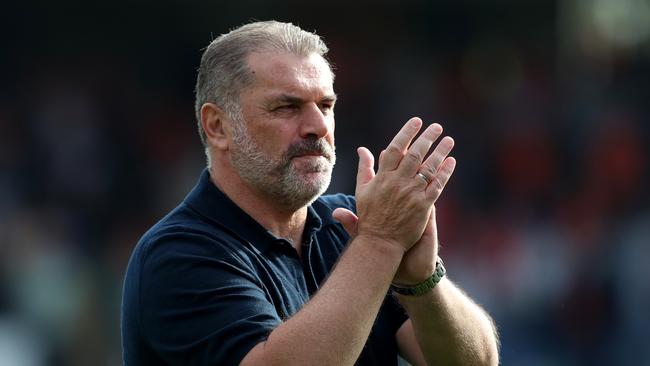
<point x="546" y="221"/>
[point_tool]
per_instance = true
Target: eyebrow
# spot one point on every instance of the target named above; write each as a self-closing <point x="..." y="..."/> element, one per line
<point x="286" y="98"/>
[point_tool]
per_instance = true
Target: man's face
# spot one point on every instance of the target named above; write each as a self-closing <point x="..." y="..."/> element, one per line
<point x="284" y="146"/>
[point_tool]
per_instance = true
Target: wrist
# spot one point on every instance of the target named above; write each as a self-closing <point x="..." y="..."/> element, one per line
<point x="391" y="247"/>
<point x="424" y="286"/>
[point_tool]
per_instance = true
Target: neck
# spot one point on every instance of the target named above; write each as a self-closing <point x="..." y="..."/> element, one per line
<point x="280" y="221"/>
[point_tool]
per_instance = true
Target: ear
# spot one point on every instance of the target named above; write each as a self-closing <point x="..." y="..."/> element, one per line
<point x="213" y="120"/>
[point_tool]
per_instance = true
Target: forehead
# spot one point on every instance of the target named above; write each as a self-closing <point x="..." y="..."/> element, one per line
<point x="289" y="73"/>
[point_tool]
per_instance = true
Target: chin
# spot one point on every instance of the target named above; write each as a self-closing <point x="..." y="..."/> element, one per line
<point x="303" y="192"/>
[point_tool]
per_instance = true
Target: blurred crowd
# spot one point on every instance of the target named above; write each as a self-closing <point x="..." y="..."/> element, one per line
<point x="546" y="221"/>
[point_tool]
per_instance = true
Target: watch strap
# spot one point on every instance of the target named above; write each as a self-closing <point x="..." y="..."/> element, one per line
<point x="424" y="286"/>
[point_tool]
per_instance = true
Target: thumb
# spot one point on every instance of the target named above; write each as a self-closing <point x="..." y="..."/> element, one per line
<point x="347" y="218"/>
<point x="366" y="170"/>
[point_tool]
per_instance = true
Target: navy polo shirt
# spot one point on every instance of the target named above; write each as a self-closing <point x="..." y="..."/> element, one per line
<point x="207" y="283"/>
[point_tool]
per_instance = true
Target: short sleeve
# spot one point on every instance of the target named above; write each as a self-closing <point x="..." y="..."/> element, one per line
<point x="199" y="303"/>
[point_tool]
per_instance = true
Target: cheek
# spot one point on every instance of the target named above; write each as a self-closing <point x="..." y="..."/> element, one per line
<point x="273" y="140"/>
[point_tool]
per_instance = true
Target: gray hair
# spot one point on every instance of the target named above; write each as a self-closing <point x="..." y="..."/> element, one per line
<point x="224" y="70"/>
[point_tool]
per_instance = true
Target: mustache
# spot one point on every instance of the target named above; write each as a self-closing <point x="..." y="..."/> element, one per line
<point x="311" y="146"/>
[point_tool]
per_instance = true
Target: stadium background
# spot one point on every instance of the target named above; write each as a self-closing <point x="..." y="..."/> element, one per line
<point x="546" y="221"/>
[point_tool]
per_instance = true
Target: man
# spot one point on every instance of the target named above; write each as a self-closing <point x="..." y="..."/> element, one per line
<point x="256" y="268"/>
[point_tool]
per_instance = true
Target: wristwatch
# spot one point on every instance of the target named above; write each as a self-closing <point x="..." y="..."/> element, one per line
<point x="425" y="286"/>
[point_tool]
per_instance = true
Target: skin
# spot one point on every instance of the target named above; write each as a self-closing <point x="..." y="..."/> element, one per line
<point x="290" y="100"/>
<point x="394" y="236"/>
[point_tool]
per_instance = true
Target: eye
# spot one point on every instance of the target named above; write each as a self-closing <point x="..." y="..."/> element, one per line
<point x="285" y="110"/>
<point x="326" y="106"/>
<point x="285" y="107"/>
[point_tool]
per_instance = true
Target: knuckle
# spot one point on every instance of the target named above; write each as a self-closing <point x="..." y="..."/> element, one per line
<point x="437" y="184"/>
<point x="437" y="157"/>
<point x="413" y="155"/>
<point x="393" y="149"/>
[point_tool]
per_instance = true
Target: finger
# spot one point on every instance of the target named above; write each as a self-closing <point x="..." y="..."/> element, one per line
<point x="366" y="170"/>
<point x="413" y="158"/>
<point x="439" y="181"/>
<point x="431" y="166"/>
<point x="396" y="149"/>
<point x="347" y="218"/>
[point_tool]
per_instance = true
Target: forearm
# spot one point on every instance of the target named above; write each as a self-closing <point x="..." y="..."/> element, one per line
<point x="450" y="328"/>
<point x="332" y="328"/>
<point x="392" y="207"/>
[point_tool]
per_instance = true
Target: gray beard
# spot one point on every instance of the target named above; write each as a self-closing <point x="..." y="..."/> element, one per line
<point x="280" y="178"/>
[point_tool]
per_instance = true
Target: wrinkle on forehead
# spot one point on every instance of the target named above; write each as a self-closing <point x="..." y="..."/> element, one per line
<point x="290" y="72"/>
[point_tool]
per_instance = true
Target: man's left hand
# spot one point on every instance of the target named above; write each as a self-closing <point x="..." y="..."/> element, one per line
<point x="419" y="261"/>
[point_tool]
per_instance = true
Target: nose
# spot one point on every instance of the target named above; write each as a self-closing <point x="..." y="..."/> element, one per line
<point x="315" y="123"/>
